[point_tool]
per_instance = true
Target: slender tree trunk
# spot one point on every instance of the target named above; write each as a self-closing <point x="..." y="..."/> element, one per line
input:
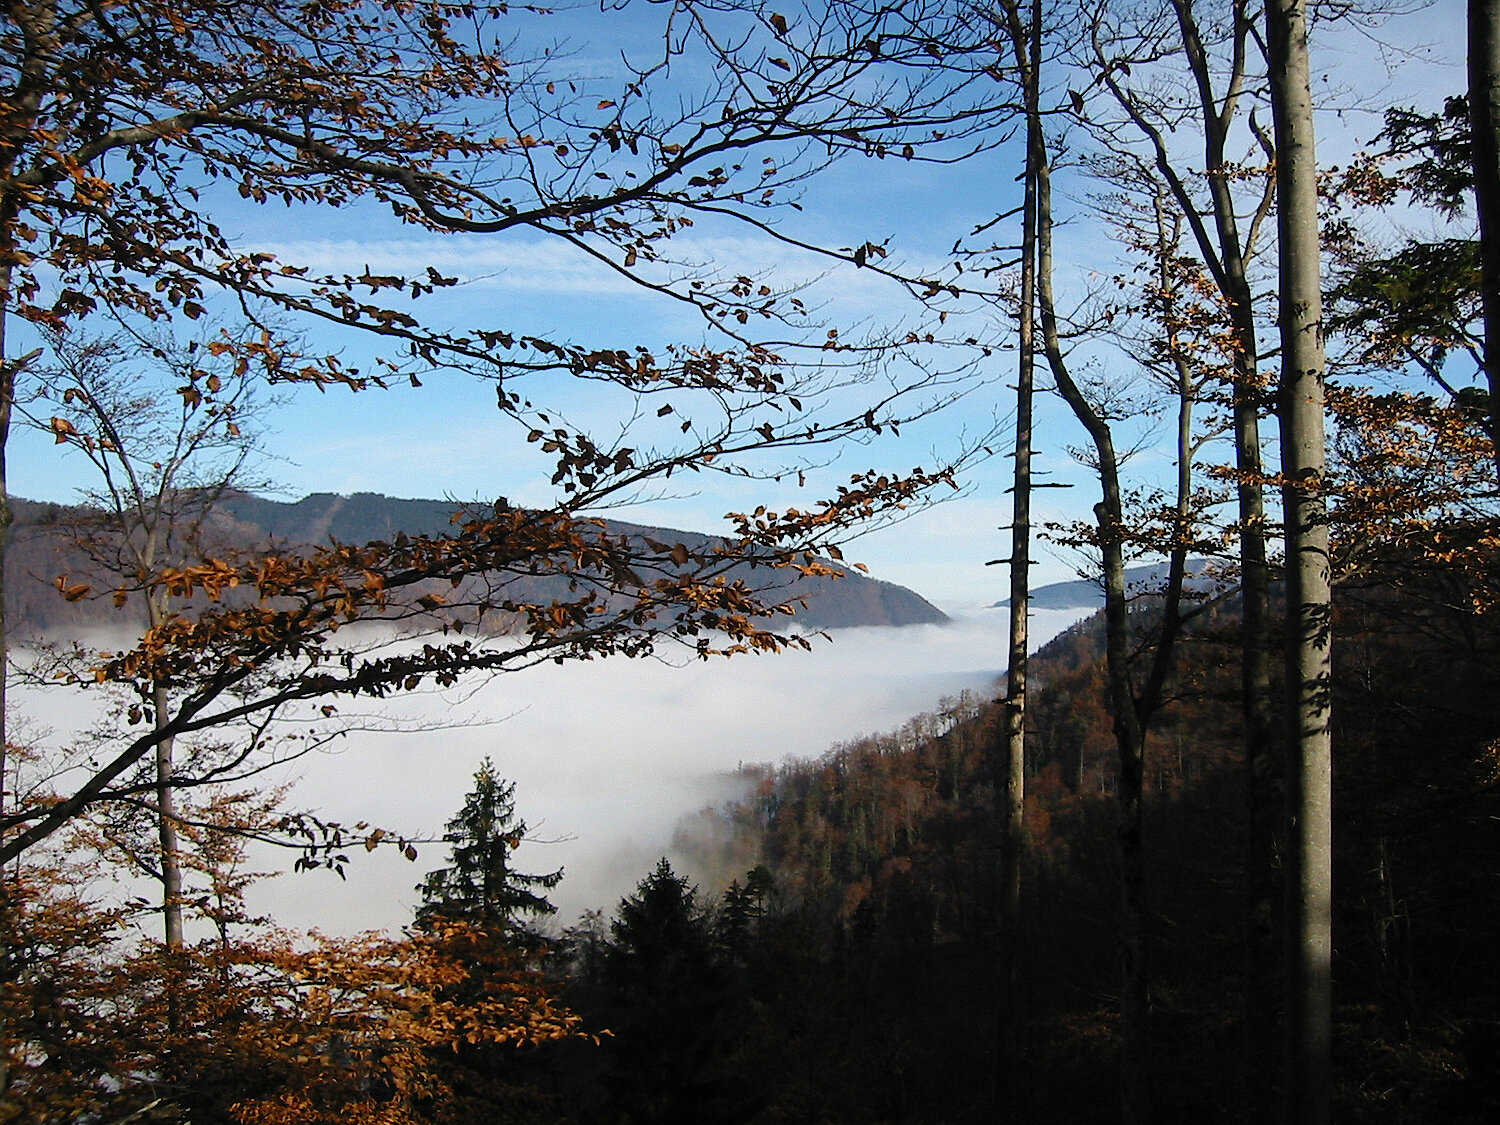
<point x="1484" y="118"/>
<point x="1259" y="740"/>
<point x="7" y="397"/>
<point x="167" y="835"/>
<point x="1027" y="43"/>
<point x="1309" y="596"/>
<point x="8" y="371"/>
<point x="1135" y="1009"/>
<point x="1258" y="744"/>
<point x="1224" y="251"/>
<point x="170" y="846"/>
<point x="166" y="810"/>
<point x="23" y="102"/>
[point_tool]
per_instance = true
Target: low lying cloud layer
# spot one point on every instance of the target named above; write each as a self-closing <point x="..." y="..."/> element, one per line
<point x="608" y="756"/>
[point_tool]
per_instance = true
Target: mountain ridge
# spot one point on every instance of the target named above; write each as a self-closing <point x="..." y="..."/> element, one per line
<point x="41" y="552"/>
<point x="1085" y="593"/>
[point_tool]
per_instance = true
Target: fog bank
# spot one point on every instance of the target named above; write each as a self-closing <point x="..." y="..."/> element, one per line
<point x="607" y="756"/>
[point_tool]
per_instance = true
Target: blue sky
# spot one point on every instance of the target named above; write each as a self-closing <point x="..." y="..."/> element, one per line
<point x="445" y="439"/>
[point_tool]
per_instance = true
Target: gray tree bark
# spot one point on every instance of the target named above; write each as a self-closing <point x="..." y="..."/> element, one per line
<point x="1309" y="774"/>
<point x="1484" y="120"/>
<point x="1026" y="37"/>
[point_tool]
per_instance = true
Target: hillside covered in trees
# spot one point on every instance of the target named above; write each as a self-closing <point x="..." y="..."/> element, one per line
<point x="883" y="856"/>
<point x="837" y="961"/>
<point x="1227" y="852"/>
<point x="50" y="540"/>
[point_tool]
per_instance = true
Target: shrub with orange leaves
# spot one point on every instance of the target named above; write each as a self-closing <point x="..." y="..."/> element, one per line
<point x="278" y="1030"/>
<point x="370" y="1029"/>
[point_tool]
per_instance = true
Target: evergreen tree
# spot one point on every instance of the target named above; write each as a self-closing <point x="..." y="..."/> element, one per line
<point x="672" y="1014"/>
<point x="480" y="886"/>
<point x="743" y="907"/>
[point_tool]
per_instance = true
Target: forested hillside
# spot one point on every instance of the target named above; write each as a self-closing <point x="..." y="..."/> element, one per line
<point x="883" y="854"/>
<point x="48" y="539"/>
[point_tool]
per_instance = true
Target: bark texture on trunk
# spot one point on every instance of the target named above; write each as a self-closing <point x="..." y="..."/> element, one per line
<point x="7" y="397"/>
<point x="1309" y="937"/>
<point x="1025" y="30"/>
<point x="167" y="834"/>
<point x="1484" y="120"/>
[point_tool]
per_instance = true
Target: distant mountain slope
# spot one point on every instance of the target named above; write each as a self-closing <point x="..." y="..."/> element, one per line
<point x="40" y="552"/>
<point x="1084" y="593"/>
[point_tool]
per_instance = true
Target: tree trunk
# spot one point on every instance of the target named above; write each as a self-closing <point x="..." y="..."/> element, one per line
<point x="23" y="102"/>
<point x="1225" y="253"/>
<point x="1135" y="1009"/>
<point x="157" y="606"/>
<point x="1026" y="39"/>
<point x="1484" y="119"/>
<point x="1257" y="714"/>
<point x="1309" y="598"/>
<point x="166" y="821"/>
<point x="8" y="372"/>
<point x="1027" y="43"/>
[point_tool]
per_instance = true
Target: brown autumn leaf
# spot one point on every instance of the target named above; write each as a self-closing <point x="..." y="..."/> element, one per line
<point x="74" y="592"/>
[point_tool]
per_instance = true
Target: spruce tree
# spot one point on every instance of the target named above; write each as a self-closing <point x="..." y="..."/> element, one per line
<point x="480" y="886"/>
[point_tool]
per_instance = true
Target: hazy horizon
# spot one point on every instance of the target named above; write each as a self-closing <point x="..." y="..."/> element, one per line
<point x="608" y="756"/>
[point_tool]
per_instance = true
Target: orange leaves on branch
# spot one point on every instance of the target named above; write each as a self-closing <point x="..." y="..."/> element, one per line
<point x="275" y="1030"/>
<point x="211" y="577"/>
<point x="1411" y="476"/>
<point x="71" y="592"/>
<point x="269" y="111"/>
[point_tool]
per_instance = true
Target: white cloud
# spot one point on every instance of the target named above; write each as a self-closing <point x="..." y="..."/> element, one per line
<point x="607" y="756"/>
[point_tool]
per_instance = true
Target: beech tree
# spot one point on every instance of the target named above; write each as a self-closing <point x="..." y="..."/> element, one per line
<point x="1149" y="81"/>
<point x="1131" y="703"/>
<point x="1309" y="768"/>
<point x="269" y="1029"/>
<point x="1178" y="71"/>
<point x="1024" y="30"/>
<point x="162" y="465"/>
<point x="125" y="127"/>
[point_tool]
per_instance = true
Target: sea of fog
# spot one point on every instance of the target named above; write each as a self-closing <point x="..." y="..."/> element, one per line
<point x="607" y="755"/>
